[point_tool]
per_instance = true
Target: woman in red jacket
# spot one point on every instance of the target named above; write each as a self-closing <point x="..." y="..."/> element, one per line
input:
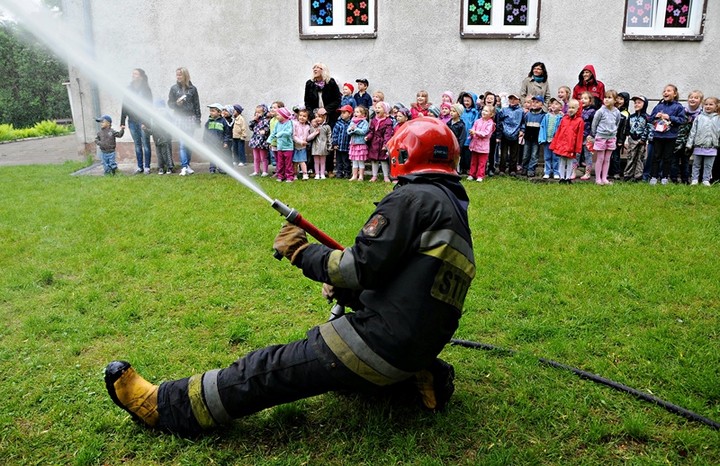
<point x="587" y="81"/>
<point x="568" y="140"/>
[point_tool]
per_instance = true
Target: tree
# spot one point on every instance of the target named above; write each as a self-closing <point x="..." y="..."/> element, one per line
<point x="31" y="89"/>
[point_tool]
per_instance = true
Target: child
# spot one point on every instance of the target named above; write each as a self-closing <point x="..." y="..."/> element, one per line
<point x="379" y="133"/>
<point x="105" y="141"/>
<point x="468" y="115"/>
<point x="568" y="141"/>
<point x="358" y="151"/>
<point x="421" y="104"/>
<point x="510" y="120"/>
<point x="445" y="112"/>
<point x="301" y="132"/>
<point x="681" y="155"/>
<point x="480" y="136"/>
<point x="548" y="129"/>
<point x="163" y="141"/>
<point x="217" y="134"/>
<point x="272" y="114"/>
<point x="604" y="134"/>
<point x="666" y="118"/>
<point x="361" y="96"/>
<point x="402" y="115"/>
<point x="321" y="137"/>
<point x="621" y="103"/>
<point x="239" y="136"/>
<point x="260" y="126"/>
<point x="530" y="131"/>
<point x="704" y="139"/>
<point x="347" y="95"/>
<point x="457" y="125"/>
<point x="637" y="129"/>
<point x="588" y="113"/>
<point x="433" y="112"/>
<point x="489" y="98"/>
<point x="341" y="142"/>
<point x="281" y="135"/>
<point x="563" y="95"/>
<point x="378" y="96"/>
<point x="447" y="97"/>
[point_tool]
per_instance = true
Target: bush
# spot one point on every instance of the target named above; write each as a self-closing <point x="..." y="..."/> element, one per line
<point x="43" y="128"/>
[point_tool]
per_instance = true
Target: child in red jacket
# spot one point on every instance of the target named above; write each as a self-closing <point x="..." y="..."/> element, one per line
<point x="568" y="141"/>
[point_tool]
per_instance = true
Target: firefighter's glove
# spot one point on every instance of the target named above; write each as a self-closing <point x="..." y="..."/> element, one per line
<point x="343" y="296"/>
<point x="290" y="242"/>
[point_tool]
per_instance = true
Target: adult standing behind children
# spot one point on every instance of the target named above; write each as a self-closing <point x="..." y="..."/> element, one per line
<point x="184" y="99"/>
<point x="536" y="83"/>
<point x="321" y="91"/>
<point x="139" y="85"/>
<point x="588" y="82"/>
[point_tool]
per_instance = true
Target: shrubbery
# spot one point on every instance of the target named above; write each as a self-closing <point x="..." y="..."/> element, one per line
<point x="43" y="128"/>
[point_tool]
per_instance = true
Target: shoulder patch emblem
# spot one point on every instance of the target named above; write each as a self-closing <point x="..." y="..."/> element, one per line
<point x="375" y="226"/>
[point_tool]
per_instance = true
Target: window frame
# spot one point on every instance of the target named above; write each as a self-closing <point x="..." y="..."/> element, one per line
<point x="308" y="32"/>
<point x="698" y="15"/>
<point x="500" y="32"/>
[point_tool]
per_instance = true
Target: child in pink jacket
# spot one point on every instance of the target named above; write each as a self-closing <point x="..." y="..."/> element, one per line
<point x="480" y="135"/>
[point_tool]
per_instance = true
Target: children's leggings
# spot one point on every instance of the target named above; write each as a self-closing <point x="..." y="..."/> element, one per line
<point x="260" y="158"/>
<point x="385" y="168"/>
<point x="320" y="164"/>
<point x="477" y="165"/>
<point x="358" y="164"/>
<point x="602" y="165"/>
<point x="284" y="165"/>
<point x="566" y="167"/>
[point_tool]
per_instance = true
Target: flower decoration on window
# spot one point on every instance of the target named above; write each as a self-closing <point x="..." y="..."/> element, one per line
<point x="516" y="12"/>
<point x="321" y="13"/>
<point x="479" y="12"/>
<point x="677" y="13"/>
<point x="356" y="13"/>
<point x="639" y="14"/>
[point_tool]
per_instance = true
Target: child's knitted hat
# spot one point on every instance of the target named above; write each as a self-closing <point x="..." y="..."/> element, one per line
<point x="349" y="86"/>
<point x="434" y="110"/>
<point x="459" y="108"/>
<point x="385" y="106"/>
<point x="284" y="112"/>
<point x="449" y="94"/>
<point x="445" y="105"/>
<point x="238" y="108"/>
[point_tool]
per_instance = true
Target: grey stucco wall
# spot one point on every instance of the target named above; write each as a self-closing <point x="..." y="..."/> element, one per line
<point x="240" y="51"/>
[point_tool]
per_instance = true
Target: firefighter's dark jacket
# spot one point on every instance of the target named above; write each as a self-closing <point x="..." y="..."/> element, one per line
<point x="413" y="261"/>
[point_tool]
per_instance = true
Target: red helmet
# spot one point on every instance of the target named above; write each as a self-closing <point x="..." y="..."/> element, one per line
<point x="423" y="145"/>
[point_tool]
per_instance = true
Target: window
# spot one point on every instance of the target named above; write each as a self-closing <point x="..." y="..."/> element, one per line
<point x="509" y="19"/>
<point x="664" y="19"/>
<point x="338" y="19"/>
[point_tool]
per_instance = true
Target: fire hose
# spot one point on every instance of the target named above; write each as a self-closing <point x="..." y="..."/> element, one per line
<point x="294" y="217"/>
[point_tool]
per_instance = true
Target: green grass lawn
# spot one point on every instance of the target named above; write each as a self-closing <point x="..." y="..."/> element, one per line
<point x="176" y="275"/>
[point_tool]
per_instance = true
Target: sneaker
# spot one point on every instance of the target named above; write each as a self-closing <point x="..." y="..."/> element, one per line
<point x="132" y="393"/>
<point x="664" y="181"/>
<point x="161" y="172"/>
<point x="168" y="171"/>
<point x="147" y="171"/>
<point x="278" y="179"/>
<point x="470" y="178"/>
<point x="653" y="181"/>
<point x="234" y="164"/>
<point x="183" y="172"/>
<point x="546" y="177"/>
<point x="607" y="182"/>
<point x="531" y="174"/>
<point x="190" y="171"/>
<point x="212" y="170"/>
<point x="317" y="177"/>
<point x="288" y="181"/>
<point x="254" y="174"/>
<point x="264" y="174"/>
<point x="373" y="179"/>
<point x="387" y="180"/>
<point x="556" y="177"/>
<point x="322" y="177"/>
<point x="435" y="385"/>
<point x="241" y="164"/>
<point x="693" y="182"/>
<point x="305" y="176"/>
<point x="138" y="170"/>
<point x="706" y="183"/>
<point x="479" y="179"/>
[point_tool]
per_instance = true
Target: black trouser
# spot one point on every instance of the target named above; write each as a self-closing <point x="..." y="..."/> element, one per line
<point x="464" y="160"/>
<point x="342" y="164"/>
<point x="680" y="167"/>
<point x="509" y="155"/>
<point x="263" y="378"/>
<point x="662" y="154"/>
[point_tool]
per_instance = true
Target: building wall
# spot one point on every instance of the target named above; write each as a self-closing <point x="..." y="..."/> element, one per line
<point x="240" y="51"/>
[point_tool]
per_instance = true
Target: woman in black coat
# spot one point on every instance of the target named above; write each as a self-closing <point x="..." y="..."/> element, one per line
<point x="322" y="92"/>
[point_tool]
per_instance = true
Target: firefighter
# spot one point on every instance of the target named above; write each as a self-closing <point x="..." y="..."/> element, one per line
<point x="405" y="277"/>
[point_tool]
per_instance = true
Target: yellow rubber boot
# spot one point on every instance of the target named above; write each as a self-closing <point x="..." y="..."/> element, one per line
<point x="132" y="393"/>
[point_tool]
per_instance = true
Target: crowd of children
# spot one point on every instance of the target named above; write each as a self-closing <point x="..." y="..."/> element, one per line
<point x="498" y="135"/>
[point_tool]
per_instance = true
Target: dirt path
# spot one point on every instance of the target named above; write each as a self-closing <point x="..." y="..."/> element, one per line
<point x="40" y="151"/>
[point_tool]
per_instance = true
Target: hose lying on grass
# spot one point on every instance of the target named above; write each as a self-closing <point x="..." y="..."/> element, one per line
<point x="675" y="409"/>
